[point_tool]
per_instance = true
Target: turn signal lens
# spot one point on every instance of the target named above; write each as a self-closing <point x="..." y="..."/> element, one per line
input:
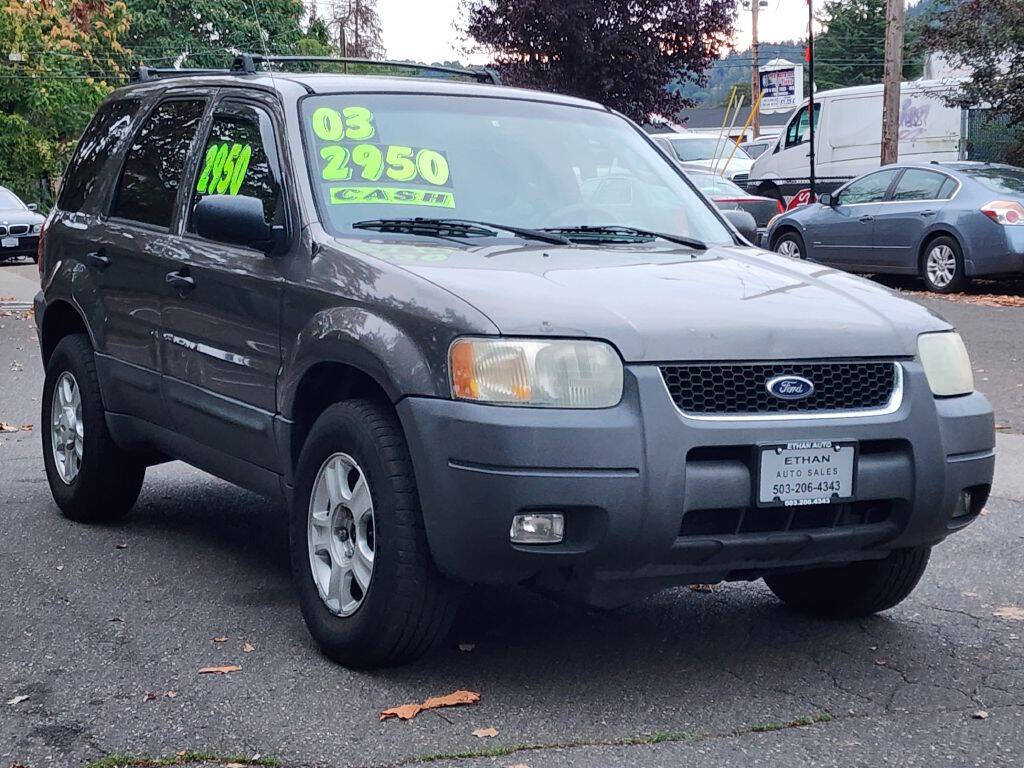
<point x="1005" y="212"/>
<point x="946" y="363"/>
<point x="555" y="373"/>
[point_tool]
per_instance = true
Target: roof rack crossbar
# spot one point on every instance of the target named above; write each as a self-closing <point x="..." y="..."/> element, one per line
<point x="248" y="63"/>
<point x="147" y="74"/>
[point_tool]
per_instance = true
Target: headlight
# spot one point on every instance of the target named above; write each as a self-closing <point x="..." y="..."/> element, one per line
<point x="37" y="228"/>
<point x="946" y="363"/>
<point x="555" y="373"/>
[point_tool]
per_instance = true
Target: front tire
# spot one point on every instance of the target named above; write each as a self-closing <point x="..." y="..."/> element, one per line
<point x="857" y="589"/>
<point x="368" y="588"/>
<point x="792" y="245"/>
<point x="942" y="266"/>
<point x="91" y="479"/>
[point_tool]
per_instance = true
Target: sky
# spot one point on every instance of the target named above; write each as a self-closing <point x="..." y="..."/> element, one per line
<point x="428" y="30"/>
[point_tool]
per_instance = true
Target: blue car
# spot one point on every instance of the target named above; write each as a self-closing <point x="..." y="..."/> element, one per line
<point x="947" y="222"/>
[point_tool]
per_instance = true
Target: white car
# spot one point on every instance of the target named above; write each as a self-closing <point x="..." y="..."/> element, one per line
<point x="708" y="151"/>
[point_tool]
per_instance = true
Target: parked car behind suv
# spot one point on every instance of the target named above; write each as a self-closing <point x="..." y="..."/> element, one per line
<point x="19" y="227"/>
<point x="473" y="334"/>
<point x="947" y="222"/>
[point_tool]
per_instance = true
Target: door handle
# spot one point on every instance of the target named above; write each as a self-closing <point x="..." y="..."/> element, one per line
<point x="928" y="212"/>
<point x="866" y="217"/>
<point x="180" y="280"/>
<point x="98" y="259"/>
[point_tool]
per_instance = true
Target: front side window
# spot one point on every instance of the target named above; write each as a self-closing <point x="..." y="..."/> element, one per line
<point x="868" y="189"/>
<point x="799" y="130"/>
<point x="106" y="131"/>
<point x="156" y="160"/>
<point x="240" y="158"/>
<point x="508" y="161"/>
<point x="916" y="184"/>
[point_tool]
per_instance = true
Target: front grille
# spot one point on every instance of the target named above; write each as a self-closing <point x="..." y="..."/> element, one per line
<point x="737" y="520"/>
<point x="18" y="229"/>
<point x="741" y="388"/>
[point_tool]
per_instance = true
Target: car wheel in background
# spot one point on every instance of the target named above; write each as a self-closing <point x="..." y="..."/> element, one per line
<point x="942" y="266"/>
<point x="857" y="589"/>
<point x="92" y="480"/>
<point x="369" y="591"/>
<point x="790" y="244"/>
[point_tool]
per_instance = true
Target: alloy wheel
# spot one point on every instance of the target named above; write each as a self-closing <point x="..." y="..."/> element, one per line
<point x="67" y="431"/>
<point x="341" y="535"/>
<point x="789" y="248"/>
<point x="941" y="265"/>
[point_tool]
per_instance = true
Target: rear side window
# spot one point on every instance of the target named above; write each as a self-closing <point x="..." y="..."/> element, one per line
<point x="240" y="158"/>
<point x="108" y="129"/>
<point x="916" y="184"/>
<point x="156" y="160"/>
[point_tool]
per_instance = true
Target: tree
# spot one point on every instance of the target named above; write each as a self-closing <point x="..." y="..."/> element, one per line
<point x="204" y="33"/>
<point x="987" y="38"/>
<point x="60" y="58"/>
<point x="851" y="50"/>
<point x="622" y="53"/>
<point x="357" y="20"/>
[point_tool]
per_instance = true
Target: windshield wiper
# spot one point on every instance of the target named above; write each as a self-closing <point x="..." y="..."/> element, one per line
<point x="616" y="233"/>
<point x="457" y="228"/>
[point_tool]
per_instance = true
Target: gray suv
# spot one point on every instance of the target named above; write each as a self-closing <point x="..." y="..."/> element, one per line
<point x="471" y="334"/>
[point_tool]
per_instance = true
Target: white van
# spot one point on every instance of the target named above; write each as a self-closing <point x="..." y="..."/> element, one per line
<point x="848" y="136"/>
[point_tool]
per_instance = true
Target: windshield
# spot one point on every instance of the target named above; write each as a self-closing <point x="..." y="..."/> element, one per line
<point x="690" y="150"/>
<point x="713" y="185"/>
<point x="8" y="200"/>
<point x="1003" y="179"/>
<point x="520" y="163"/>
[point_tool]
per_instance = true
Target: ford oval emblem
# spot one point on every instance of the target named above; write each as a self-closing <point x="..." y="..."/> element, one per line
<point x="790" y="387"/>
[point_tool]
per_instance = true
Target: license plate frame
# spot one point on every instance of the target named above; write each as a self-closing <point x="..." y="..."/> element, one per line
<point x="848" y="451"/>
<point x="9" y="242"/>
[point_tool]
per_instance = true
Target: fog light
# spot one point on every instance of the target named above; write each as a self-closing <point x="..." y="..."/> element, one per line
<point x="543" y="528"/>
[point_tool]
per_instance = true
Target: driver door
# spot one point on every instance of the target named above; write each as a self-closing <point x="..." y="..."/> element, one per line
<point x="844" y="232"/>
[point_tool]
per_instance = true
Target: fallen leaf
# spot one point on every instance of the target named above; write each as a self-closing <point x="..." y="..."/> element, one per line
<point x="26" y="427"/>
<point x="984" y="512"/>
<point x="234" y="765"/>
<point x="466" y="647"/>
<point x="221" y="639"/>
<point x="980" y="714"/>
<point x="149" y="696"/>
<point x="122" y="545"/>
<point x="248" y="648"/>
<point x="220" y="670"/>
<point x="17" y="700"/>
<point x="519" y="765"/>
<point x="1010" y="613"/>
<point x="702" y="588"/>
<point x="60" y="567"/>
<point x="5" y="427"/>
<point x="171" y="694"/>
<point x="485" y="733"/>
<point x="881" y="662"/>
<point x="117" y="618"/>
<point x="409" y="711"/>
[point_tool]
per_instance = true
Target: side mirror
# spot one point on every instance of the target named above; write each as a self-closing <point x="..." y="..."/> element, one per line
<point x="32" y="206"/>
<point x="744" y="224"/>
<point x="235" y="219"/>
<point x="826" y="199"/>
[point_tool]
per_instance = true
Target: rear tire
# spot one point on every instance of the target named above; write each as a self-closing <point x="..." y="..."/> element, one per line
<point x="407" y="605"/>
<point x="942" y="266"/>
<point x="102" y="484"/>
<point x="790" y="244"/>
<point x="857" y="589"/>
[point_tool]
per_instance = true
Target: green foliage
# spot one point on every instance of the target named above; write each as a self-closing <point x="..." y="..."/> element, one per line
<point x="852" y="49"/>
<point x="205" y="30"/>
<point x="67" y="55"/>
<point x="986" y="36"/>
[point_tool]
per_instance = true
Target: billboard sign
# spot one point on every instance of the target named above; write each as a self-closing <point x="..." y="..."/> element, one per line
<point x="782" y="83"/>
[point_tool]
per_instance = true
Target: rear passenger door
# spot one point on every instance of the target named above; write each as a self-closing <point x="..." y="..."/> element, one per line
<point x="127" y="257"/>
<point x="220" y="339"/>
<point x="901" y="222"/>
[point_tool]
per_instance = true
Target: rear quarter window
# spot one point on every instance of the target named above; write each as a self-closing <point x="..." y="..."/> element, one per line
<point x="106" y="132"/>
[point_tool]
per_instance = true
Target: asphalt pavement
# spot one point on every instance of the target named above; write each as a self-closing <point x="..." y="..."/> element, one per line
<point x="103" y="631"/>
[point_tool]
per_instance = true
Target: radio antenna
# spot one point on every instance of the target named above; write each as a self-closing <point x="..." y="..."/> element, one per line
<point x="263" y="38"/>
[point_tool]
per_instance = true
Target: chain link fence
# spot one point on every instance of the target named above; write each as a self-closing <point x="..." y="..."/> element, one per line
<point x="990" y="138"/>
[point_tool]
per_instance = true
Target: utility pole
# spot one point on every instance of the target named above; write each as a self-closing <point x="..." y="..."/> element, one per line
<point x="894" y="14"/>
<point x="810" y="100"/>
<point x="755" y="75"/>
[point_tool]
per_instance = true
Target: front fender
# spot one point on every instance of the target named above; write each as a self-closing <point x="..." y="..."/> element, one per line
<point x="356" y="337"/>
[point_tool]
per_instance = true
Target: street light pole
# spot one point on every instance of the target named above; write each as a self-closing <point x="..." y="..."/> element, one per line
<point x="810" y="103"/>
<point x="755" y="78"/>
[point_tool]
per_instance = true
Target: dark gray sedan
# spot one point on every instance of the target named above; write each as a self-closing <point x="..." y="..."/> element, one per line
<point x="947" y="222"/>
<point x="19" y="226"/>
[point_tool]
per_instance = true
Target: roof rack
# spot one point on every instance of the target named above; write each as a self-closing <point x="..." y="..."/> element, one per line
<point x="148" y="74"/>
<point x="247" y="63"/>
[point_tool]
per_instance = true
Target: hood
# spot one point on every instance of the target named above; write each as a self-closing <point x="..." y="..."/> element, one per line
<point x="20" y="216"/>
<point x="662" y="302"/>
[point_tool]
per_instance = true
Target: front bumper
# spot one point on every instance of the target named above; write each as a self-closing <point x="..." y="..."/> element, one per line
<point x="626" y="477"/>
<point x="27" y="246"/>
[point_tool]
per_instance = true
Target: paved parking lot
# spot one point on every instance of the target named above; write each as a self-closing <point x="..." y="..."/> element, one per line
<point x="103" y="631"/>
